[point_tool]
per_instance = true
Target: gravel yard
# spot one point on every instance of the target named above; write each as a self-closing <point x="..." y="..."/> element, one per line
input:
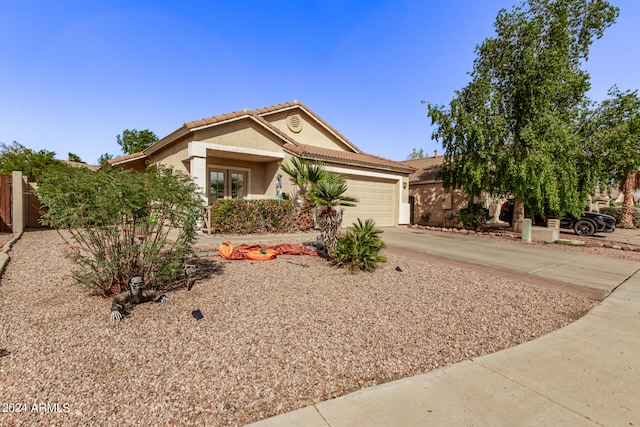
<point x="276" y="336"/>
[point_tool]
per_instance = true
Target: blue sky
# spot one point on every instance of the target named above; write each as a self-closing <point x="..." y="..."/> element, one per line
<point x="74" y="74"/>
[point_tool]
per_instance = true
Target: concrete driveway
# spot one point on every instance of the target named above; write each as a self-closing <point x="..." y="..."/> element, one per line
<point x="595" y="272"/>
<point x="586" y="374"/>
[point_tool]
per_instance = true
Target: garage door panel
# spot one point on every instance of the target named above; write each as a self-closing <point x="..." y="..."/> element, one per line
<point x="377" y="199"/>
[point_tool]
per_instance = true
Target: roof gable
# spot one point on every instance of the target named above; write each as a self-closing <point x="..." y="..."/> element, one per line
<point x="352" y="155"/>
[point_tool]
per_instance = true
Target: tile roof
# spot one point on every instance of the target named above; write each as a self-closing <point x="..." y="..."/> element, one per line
<point x="217" y="119"/>
<point x="127" y="158"/>
<point x="355" y="157"/>
<point x="312" y="152"/>
<point x="81" y="165"/>
<point x="426" y="168"/>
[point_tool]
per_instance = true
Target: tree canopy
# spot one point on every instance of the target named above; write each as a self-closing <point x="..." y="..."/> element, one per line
<point x="104" y="158"/>
<point x="616" y="134"/>
<point x="416" y="154"/>
<point x="517" y="127"/>
<point x="72" y="157"/>
<point x="135" y="141"/>
<point x="17" y="157"/>
<point x="615" y="130"/>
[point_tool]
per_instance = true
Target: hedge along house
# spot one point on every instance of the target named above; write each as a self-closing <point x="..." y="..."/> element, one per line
<point x="238" y="156"/>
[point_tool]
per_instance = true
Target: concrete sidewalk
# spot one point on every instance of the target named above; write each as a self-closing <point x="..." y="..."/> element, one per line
<point x="587" y="373"/>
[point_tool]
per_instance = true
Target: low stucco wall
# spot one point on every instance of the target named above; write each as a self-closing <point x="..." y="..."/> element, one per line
<point x="434" y="206"/>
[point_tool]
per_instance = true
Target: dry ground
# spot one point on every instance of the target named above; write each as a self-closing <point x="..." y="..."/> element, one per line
<point x="275" y="336"/>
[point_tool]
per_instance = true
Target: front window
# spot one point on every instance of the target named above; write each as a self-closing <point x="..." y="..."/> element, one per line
<point x="227" y="184"/>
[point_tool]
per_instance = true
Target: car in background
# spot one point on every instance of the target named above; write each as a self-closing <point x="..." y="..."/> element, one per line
<point x="588" y="224"/>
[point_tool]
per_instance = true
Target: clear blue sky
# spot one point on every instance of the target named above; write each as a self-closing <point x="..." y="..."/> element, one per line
<point x="74" y="74"/>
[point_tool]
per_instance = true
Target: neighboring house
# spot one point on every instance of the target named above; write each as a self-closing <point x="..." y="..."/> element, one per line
<point x="238" y="156"/>
<point x="430" y="203"/>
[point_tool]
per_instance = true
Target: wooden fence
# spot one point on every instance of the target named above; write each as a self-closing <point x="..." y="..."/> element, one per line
<point x="5" y="204"/>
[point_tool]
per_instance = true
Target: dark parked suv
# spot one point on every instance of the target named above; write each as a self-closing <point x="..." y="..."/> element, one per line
<point x="588" y="224"/>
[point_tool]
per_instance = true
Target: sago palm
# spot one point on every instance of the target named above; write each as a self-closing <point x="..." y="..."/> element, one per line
<point x="359" y="248"/>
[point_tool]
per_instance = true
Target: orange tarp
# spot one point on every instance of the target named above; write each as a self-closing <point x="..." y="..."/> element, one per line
<point x="261" y="252"/>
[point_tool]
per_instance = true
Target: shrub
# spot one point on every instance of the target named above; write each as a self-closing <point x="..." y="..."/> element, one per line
<point x="614" y="211"/>
<point x="253" y="216"/>
<point x="120" y="220"/>
<point x="473" y="216"/>
<point x="359" y="247"/>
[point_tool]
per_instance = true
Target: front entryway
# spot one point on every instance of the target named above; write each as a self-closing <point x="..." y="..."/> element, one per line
<point x="227" y="184"/>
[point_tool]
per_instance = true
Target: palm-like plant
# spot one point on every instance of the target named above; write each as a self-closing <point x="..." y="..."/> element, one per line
<point x="628" y="186"/>
<point x="329" y="193"/>
<point x="359" y="247"/>
<point x="304" y="174"/>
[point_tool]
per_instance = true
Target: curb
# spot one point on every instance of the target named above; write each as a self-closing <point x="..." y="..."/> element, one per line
<point x="4" y="255"/>
<point x="517" y="236"/>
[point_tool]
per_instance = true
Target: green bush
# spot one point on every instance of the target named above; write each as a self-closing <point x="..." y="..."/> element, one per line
<point x="359" y="247"/>
<point x="119" y="222"/>
<point x="473" y="216"/>
<point x="614" y="211"/>
<point x="253" y="216"/>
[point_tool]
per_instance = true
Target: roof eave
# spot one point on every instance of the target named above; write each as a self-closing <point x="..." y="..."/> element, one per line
<point x="316" y="157"/>
<point x="167" y="140"/>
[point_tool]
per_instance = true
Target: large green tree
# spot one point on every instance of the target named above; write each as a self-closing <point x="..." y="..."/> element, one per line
<point x="616" y="134"/>
<point x="17" y="157"/>
<point x="416" y="154"/>
<point x="516" y="128"/>
<point x="135" y="141"/>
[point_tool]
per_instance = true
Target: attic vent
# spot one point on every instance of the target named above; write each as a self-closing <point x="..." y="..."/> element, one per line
<point x="294" y="123"/>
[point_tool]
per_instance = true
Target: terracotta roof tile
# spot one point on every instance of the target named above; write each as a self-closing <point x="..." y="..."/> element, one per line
<point x="216" y="119"/>
<point x="356" y="158"/>
<point x="312" y="152"/>
<point x="427" y="168"/>
<point x="126" y="158"/>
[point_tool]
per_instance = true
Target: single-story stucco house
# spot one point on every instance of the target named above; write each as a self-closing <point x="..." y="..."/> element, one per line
<point x="430" y="204"/>
<point x="238" y="155"/>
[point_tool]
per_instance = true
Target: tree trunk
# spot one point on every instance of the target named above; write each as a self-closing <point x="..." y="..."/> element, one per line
<point x="518" y="215"/>
<point x="626" y="214"/>
<point x="329" y="229"/>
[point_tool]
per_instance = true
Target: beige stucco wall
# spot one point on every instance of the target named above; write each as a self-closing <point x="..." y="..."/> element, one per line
<point x="311" y="134"/>
<point x="174" y="156"/>
<point x="429" y="199"/>
<point x="262" y="168"/>
<point x="242" y="133"/>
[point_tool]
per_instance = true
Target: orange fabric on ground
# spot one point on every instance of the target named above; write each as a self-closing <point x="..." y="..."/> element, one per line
<point x="268" y="254"/>
<point x="227" y="251"/>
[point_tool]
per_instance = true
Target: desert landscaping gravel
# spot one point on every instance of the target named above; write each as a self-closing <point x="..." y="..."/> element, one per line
<point x="276" y="336"/>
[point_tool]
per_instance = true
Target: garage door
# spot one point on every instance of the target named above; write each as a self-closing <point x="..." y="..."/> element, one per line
<point x="377" y="199"/>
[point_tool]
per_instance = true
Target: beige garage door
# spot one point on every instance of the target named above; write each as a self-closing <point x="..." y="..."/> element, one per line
<point x="377" y="199"/>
